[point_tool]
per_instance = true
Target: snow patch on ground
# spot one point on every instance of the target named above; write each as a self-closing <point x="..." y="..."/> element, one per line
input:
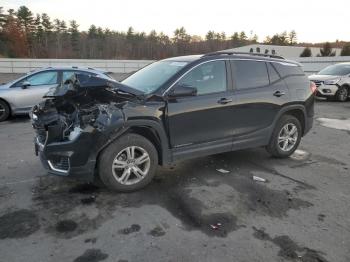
<point x="300" y="155"/>
<point x="335" y="123"/>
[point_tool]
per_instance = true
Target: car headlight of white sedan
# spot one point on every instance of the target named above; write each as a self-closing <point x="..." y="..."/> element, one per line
<point x="332" y="82"/>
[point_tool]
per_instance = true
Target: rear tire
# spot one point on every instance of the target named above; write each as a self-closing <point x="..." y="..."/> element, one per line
<point x="4" y="110"/>
<point x="286" y="137"/>
<point x="128" y="164"/>
<point x="342" y="94"/>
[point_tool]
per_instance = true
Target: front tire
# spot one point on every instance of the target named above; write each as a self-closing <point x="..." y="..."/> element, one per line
<point x="342" y="94"/>
<point x="4" y="110"/>
<point x="285" y="137"/>
<point x="128" y="164"/>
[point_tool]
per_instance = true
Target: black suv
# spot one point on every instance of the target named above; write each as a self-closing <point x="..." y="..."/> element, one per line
<point x="173" y="109"/>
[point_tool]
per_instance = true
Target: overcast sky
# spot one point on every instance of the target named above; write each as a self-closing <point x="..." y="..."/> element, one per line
<point x="313" y="20"/>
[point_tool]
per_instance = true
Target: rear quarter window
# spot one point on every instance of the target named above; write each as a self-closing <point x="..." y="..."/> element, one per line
<point x="286" y="69"/>
<point x="274" y="76"/>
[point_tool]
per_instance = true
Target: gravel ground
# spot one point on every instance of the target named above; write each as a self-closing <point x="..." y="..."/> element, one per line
<point x="190" y="212"/>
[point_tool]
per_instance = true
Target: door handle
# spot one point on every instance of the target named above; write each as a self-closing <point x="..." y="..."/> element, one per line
<point x="279" y="93"/>
<point x="224" y="101"/>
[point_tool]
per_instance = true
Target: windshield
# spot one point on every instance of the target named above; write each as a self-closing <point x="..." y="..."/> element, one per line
<point x="335" y="70"/>
<point x="150" y="78"/>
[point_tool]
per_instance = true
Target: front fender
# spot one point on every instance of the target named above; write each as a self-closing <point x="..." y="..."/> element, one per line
<point x="152" y="125"/>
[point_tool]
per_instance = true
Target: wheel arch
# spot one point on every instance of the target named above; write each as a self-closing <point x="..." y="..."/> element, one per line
<point x="150" y="134"/>
<point x="298" y="111"/>
<point x="347" y="85"/>
<point x="8" y="104"/>
<point x="298" y="114"/>
<point x="152" y="131"/>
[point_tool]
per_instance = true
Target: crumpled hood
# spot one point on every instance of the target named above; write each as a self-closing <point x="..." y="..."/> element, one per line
<point x="82" y="104"/>
<point x="81" y="84"/>
<point x="323" y="77"/>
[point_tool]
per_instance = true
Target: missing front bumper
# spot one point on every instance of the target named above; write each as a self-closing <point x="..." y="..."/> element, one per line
<point x="68" y="158"/>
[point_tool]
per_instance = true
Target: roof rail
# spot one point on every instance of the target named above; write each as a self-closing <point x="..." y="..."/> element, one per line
<point x="243" y="53"/>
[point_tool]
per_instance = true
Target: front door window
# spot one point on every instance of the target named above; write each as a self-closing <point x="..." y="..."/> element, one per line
<point x="207" y="78"/>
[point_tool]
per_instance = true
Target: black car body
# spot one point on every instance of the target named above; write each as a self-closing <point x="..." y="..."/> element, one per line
<point x="210" y="104"/>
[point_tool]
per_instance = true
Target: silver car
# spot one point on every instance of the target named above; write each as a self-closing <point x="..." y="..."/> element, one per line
<point x="20" y="95"/>
<point x="333" y="82"/>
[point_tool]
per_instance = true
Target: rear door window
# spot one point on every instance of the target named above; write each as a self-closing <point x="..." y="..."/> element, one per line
<point x="249" y="74"/>
<point x="69" y="73"/>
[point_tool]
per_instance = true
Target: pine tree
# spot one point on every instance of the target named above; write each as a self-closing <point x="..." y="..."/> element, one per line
<point x="327" y="50"/>
<point x="74" y="37"/>
<point x="15" y="37"/>
<point x="57" y="32"/>
<point x="38" y="44"/>
<point x="2" y="18"/>
<point x="292" y="36"/>
<point x="235" y="41"/>
<point x="210" y="35"/>
<point x="2" y="37"/>
<point x="345" y="51"/>
<point x="26" y="21"/>
<point x="47" y="31"/>
<point x="306" y="52"/>
<point x="243" y="38"/>
<point x="255" y="39"/>
<point x="25" y="18"/>
<point x="37" y="25"/>
<point x="46" y="23"/>
<point x="278" y="39"/>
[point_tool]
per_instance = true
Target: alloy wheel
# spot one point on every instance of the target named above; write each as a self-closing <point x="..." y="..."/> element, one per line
<point x="288" y="137"/>
<point x="343" y="94"/>
<point x="131" y="165"/>
<point x="2" y="110"/>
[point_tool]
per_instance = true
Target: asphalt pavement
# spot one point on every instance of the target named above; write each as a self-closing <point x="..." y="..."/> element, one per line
<point x="191" y="211"/>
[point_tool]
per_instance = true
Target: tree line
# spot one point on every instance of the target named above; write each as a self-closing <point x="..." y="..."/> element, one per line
<point x="23" y="34"/>
<point x="327" y="50"/>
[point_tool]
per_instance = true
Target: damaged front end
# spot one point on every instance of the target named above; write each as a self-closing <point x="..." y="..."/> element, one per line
<point x="76" y="120"/>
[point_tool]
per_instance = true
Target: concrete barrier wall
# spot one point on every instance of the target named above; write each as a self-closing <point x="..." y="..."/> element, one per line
<point x="25" y="65"/>
<point x="310" y="64"/>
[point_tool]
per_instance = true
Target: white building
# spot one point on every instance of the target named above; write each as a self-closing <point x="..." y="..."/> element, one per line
<point x="285" y="51"/>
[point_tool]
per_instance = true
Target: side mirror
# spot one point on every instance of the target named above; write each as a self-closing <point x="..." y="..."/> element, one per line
<point x="25" y="84"/>
<point x="182" y="91"/>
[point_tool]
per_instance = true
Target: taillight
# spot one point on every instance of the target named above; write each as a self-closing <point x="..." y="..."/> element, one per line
<point x="313" y="87"/>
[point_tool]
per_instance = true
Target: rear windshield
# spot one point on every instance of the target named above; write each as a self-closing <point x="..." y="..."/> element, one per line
<point x="335" y="70"/>
<point x="151" y="77"/>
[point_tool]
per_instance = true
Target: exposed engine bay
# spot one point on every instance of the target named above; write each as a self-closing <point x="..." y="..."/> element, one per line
<point x="83" y="103"/>
<point x="80" y="118"/>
